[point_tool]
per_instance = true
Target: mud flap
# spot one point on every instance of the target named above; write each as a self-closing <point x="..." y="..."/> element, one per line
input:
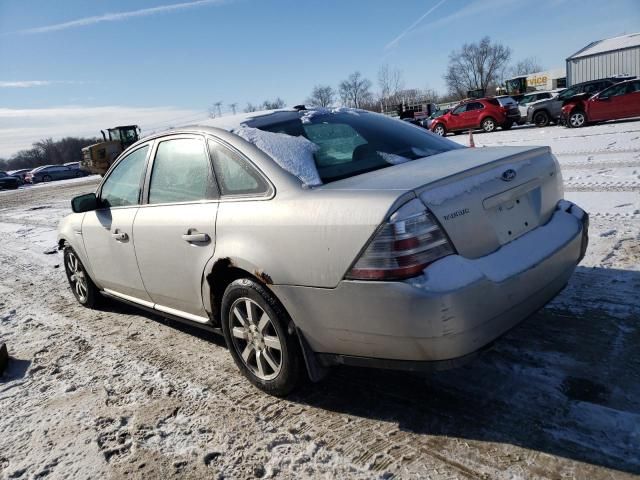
<point x="315" y="371"/>
<point x="4" y="357"/>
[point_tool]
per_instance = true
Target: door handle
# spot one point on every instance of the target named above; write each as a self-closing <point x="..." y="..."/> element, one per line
<point x="196" y="237"/>
<point x="120" y="236"/>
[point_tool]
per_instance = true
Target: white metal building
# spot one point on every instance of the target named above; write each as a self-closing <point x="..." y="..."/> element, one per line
<point x="605" y="58"/>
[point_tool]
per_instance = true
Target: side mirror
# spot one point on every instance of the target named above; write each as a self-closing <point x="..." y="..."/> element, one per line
<point x="84" y="203"/>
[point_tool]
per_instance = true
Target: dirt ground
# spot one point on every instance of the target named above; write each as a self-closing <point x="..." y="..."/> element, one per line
<point x="118" y="392"/>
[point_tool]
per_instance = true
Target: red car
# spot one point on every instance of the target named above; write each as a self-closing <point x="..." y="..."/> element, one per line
<point x="485" y="113"/>
<point x="621" y="100"/>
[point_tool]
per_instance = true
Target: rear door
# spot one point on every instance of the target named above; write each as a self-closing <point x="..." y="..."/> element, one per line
<point x="174" y="231"/>
<point x="108" y="231"/>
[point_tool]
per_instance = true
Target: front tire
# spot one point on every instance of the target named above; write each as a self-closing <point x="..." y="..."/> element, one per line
<point x="440" y="130"/>
<point x="577" y="119"/>
<point x="507" y="126"/>
<point x="260" y="337"/>
<point x="488" y="125"/>
<point x="82" y="286"/>
<point x="46" y="178"/>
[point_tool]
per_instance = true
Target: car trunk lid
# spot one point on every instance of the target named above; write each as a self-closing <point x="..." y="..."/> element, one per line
<point x="495" y="202"/>
<point x="483" y="197"/>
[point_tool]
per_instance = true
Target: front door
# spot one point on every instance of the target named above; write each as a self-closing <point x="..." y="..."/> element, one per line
<point x="108" y="231"/>
<point x="174" y="231"/>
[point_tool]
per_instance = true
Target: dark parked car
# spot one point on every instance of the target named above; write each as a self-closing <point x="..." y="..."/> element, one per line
<point x="616" y="102"/>
<point x="52" y="172"/>
<point x="485" y="113"/>
<point x="19" y="173"/>
<point x="7" y="181"/>
<point x="548" y="111"/>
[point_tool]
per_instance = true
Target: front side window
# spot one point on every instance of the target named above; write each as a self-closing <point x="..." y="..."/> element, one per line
<point x="459" y="109"/>
<point x="122" y="186"/>
<point x="181" y="172"/>
<point x="235" y="175"/>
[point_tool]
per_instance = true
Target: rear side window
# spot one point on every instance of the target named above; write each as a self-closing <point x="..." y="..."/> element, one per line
<point x="181" y="172"/>
<point x="493" y="102"/>
<point x="122" y="186"/>
<point x="235" y="175"/>
<point x="336" y="142"/>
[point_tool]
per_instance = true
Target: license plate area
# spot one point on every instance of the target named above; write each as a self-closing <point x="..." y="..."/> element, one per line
<point x="513" y="213"/>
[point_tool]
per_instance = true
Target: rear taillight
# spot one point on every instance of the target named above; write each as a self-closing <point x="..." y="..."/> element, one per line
<point x="402" y="246"/>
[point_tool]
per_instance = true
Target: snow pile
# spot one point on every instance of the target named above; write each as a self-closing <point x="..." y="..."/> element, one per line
<point x="439" y="195"/>
<point x="453" y="272"/>
<point x="294" y="154"/>
<point x="393" y="159"/>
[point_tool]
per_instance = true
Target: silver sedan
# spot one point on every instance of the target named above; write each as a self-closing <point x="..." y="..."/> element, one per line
<point x="313" y="238"/>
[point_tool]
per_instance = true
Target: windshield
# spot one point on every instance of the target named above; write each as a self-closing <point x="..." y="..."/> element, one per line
<point x="114" y="134"/>
<point x="568" y="93"/>
<point x="350" y="143"/>
<point x="527" y="99"/>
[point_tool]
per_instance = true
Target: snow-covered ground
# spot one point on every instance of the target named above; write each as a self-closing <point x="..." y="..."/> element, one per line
<point x="117" y="392"/>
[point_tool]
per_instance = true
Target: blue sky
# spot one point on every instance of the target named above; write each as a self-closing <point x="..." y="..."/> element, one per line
<point x="162" y="62"/>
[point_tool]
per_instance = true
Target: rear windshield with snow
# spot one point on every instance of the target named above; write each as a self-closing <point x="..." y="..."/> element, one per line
<point x="350" y="142"/>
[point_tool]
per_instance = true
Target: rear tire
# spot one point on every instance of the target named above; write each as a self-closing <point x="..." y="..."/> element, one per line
<point x="83" y="288"/>
<point x="488" y="125"/>
<point x="577" y="119"/>
<point x="541" y="119"/>
<point x="260" y="337"/>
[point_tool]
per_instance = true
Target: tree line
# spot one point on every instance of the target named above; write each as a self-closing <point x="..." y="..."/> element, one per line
<point x="48" y="152"/>
<point x="482" y="65"/>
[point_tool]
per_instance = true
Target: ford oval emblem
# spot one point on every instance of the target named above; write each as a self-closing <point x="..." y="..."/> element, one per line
<point x="508" y="175"/>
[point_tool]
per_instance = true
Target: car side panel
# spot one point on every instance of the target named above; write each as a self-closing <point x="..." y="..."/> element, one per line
<point x="308" y="238"/>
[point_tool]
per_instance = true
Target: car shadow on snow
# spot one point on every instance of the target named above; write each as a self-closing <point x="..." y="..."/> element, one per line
<point x="562" y="382"/>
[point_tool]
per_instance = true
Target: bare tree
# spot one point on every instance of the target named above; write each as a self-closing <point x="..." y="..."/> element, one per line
<point x="355" y="91"/>
<point x="390" y="83"/>
<point x="273" y="104"/>
<point x="251" y="107"/>
<point x="526" y="66"/>
<point x="233" y="107"/>
<point x="477" y="65"/>
<point x="321" y="96"/>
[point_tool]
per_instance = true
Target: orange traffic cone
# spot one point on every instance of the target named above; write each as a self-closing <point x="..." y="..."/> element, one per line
<point x="472" y="144"/>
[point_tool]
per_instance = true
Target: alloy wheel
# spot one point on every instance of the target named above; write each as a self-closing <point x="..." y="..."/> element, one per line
<point x="255" y="339"/>
<point x="77" y="277"/>
<point x="439" y="130"/>
<point x="488" y="125"/>
<point x="577" y="119"/>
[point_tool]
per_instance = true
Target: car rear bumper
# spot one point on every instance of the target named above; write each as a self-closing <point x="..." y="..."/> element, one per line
<point x="405" y="325"/>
